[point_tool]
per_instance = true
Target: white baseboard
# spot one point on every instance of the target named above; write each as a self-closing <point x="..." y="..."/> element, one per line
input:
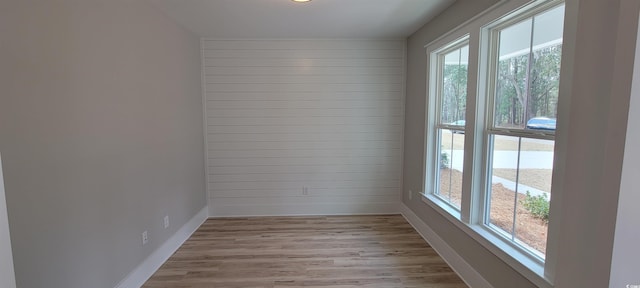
<point x="143" y="272"/>
<point x="455" y="261"/>
<point x="216" y="209"/>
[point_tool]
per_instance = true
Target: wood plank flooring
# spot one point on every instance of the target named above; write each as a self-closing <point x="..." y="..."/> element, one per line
<point x="332" y="251"/>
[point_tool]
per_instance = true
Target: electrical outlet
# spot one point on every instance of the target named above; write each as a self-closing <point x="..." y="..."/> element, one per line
<point x="166" y="222"/>
<point x="145" y="237"/>
<point x="305" y="190"/>
<point x="410" y="194"/>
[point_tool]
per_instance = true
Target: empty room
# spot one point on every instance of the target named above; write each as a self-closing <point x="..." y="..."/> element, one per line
<point x="321" y="143"/>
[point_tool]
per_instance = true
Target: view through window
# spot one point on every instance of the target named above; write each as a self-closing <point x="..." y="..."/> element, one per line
<point x="502" y="196"/>
<point x="521" y="139"/>
<point x="452" y="100"/>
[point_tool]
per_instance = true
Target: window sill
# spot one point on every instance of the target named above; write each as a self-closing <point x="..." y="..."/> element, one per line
<point x="455" y="213"/>
<point x="522" y="262"/>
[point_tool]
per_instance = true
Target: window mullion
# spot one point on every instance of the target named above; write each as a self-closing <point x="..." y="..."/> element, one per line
<point x="473" y="139"/>
<point x="529" y="83"/>
<point x="515" y="198"/>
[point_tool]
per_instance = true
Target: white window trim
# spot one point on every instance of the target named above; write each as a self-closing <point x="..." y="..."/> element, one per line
<point x="472" y="224"/>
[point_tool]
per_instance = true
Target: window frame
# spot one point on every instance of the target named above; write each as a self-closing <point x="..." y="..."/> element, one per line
<point x="470" y="218"/>
<point x="436" y="106"/>
<point x="491" y="32"/>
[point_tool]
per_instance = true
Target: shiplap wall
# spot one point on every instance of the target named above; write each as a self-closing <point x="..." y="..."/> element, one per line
<point x="283" y="115"/>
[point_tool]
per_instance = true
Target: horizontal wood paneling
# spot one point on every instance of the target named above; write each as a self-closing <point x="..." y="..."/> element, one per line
<point x="303" y="53"/>
<point x="270" y="185"/>
<point x="304" y="87"/>
<point x="303" y="44"/>
<point x="303" y="70"/>
<point x="328" y="162"/>
<point x="292" y="137"/>
<point x="305" y="62"/>
<point x="301" y="129"/>
<point x="288" y="114"/>
<point x="356" y="107"/>
<point x="288" y="192"/>
<point x="304" y="79"/>
<point x="308" y="153"/>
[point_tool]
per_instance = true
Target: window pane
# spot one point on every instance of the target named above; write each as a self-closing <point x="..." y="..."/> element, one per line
<point x="520" y="188"/>
<point x="548" y="28"/>
<point x="511" y="86"/>
<point x="503" y="198"/>
<point x="528" y="72"/>
<point x="515" y="40"/>
<point x="450" y="162"/>
<point x="534" y="188"/>
<point x="545" y="69"/>
<point x="453" y="91"/>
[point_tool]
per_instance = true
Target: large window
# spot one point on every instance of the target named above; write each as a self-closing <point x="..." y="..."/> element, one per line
<point x="497" y="109"/>
<point x="523" y="107"/>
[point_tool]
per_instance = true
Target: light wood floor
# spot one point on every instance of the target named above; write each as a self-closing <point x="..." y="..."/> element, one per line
<point x="334" y="251"/>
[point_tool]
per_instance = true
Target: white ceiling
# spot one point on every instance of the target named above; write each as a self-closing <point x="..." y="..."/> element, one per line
<point x="315" y="19"/>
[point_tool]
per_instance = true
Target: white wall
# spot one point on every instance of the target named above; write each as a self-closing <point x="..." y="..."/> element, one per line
<point x="100" y="135"/>
<point x="7" y="275"/>
<point x="288" y="114"/>
<point x="602" y="38"/>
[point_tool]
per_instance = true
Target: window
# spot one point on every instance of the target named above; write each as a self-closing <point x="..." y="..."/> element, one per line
<point x="450" y="100"/>
<point x="497" y="109"/>
<point x="522" y="108"/>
